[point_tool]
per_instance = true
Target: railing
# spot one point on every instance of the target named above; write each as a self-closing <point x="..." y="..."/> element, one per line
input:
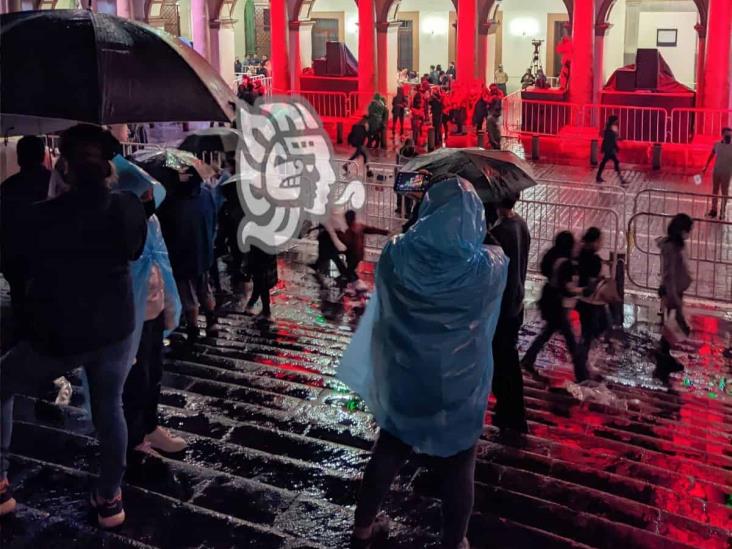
<point x="538" y="117"/>
<point x="687" y="123"/>
<point x="545" y="219"/>
<point x="664" y="201"/>
<point x="708" y="251"/>
<point x="329" y="105"/>
<point x="635" y="123"/>
<point x="359" y="102"/>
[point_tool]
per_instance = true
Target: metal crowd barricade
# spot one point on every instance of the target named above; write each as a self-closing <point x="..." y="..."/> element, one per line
<point x="665" y="201"/>
<point x="330" y="106"/>
<point x="347" y="170"/>
<point x="538" y="117"/>
<point x="635" y="123"/>
<point x="359" y="103"/>
<point x="686" y="123"/>
<point x="708" y="251"/>
<point x="545" y="219"/>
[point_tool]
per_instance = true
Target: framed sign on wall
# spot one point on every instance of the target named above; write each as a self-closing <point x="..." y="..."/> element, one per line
<point x="666" y="38"/>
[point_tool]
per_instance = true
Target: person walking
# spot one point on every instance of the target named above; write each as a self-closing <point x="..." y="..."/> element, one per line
<point x="493" y="129"/>
<point x="329" y="245"/>
<point x="354" y="238"/>
<point x="610" y="148"/>
<point x="593" y="315"/>
<point x="188" y="221"/>
<point x="417" y="118"/>
<point x="357" y="139"/>
<point x="722" y="172"/>
<point x="263" y="270"/>
<point x="437" y="106"/>
<point x="675" y="280"/>
<point x="421" y="357"/>
<point x="80" y="305"/>
<point x="376" y="117"/>
<point x="17" y="193"/>
<point x="398" y="109"/>
<point x="512" y="234"/>
<point x="558" y="297"/>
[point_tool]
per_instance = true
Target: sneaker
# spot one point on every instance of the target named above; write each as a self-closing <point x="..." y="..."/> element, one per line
<point x="379" y="533"/>
<point x="7" y="502"/>
<point x="161" y="439"/>
<point x="599" y="180"/>
<point x="110" y="513"/>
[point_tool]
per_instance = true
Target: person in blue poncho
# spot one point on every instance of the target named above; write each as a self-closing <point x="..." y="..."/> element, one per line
<point x="157" y="311"/>
<point x="421" y="357"/>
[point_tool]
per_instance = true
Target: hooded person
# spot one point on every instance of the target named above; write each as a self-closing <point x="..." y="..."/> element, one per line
<point x="157" y="313"/>
<point x="421" y="357"/>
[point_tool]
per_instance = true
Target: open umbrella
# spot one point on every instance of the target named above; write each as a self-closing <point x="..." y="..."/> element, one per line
<point x="157" y="162"/>
<point x="494" y="174"/>
<point x="65" y="66"/>
<point x="211" y="139"/>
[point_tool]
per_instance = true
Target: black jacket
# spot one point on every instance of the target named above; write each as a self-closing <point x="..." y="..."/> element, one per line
<point x="358" y="135"/>
<point x="78" y="247"/>
<point x="609" y="142"/>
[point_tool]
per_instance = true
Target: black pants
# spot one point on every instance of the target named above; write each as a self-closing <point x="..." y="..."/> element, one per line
<point x="508" y="383"/>
<point x="260" y="291"/>
<point x="559" y="322"/>
<point x="457" y="474"/>
<point x="605" y="158"/>
<point x="399" y="116"/>
<point x="142" y="388"/>
<point x="593" y="319"/>
<point x="327" y="252"/>
<point x="437" y="125"/>
<point x="359" y="152"/>
<point x="352" y="264"/>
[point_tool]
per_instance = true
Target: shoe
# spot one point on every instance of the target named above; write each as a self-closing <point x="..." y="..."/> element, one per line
<point x="161" y="439"/>
<point x="712" y="214"/>
<point x="264" y="315"/>
<point x="599" y="180"/>
<point x="7" y="501"/>
<point x="379" y="533"/>
<point x="110" y="513"/>
<point x="146" y="448"/>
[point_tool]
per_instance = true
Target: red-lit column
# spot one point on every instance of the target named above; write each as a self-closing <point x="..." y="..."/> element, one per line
<point x="599" y="67"/>
<point x="717" y="62"/>
<point x="366" y="47"/>
<point x="701" y="31"/>
<point x="386" y="56"/>
<point x="295" y="56"/>
<point x="278" y="36"/>
<point x="580" y="72"/>
<point x="467" y="26"/>
<point x="482" y="57"/>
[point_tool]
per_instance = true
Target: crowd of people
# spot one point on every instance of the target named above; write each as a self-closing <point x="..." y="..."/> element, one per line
<point x="102" y="261"/>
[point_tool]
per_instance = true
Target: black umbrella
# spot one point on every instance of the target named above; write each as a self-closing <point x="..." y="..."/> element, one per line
<point x="63" y="66"/>
<point x="495" y="174"/>
<point x="211" y="139"/>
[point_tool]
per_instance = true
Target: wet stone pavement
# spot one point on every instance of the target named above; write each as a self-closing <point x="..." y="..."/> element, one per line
<point x="277" y="446"/>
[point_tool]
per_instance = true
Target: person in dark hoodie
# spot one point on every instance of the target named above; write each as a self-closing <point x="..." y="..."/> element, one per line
<point x="512" y="234"/>
<point x="610" y="148"/>
<point x="675" y="280"/>
<point x="188" y="221"/>
<point x="17" y="193"/>
<point x="80" y="305"/>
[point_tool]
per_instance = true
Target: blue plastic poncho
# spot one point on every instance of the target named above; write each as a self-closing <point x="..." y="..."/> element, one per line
<point x="134" y="179"/>
<point x="421" y="357"/>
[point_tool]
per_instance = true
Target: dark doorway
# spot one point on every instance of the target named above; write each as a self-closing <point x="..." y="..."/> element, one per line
<point x="405" y="43"/>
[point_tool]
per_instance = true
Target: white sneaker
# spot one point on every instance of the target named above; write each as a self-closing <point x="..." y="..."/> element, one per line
<point x="161" y="439"/>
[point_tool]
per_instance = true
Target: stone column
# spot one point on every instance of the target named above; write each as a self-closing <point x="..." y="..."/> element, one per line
<point x="199" y="27"/>
<point x="599" y="75"/>
<point x="701" y="32"/>
<point x="717" y="56"/>
<point x="223" y="50"/>
<point x="580" y="72"/>
<point x="485" y="71"/>
<point x="467" y="15"/>
<point x="278" y="35"/>
<point x="306" y="43"/>
<point x="632" y="26"/>
<point x="387" y="38"/>
<point x="366" y="47"/>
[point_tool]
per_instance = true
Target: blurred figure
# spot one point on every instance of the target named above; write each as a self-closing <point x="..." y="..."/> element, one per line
<point x="722" y="172"/>
<point x="405" y="154"/>
<point x="263" y="270"/>
<point x="512" y="234"/>
<point x="593" y="316"/>
<point x="354" y="239"/>
<point x="558" y="297"/>
<point x="329" y="245"/>
<point x="527" y="80"/>
<point x="377" y="115"/>
<point x="398" y="109"/>
<point x="675" y="280"/>
<point x="437" y="106"/>
<point x="451" y="71"/>
<point x="501" y="79"/>
<point x="480" y="112"/>
<point x="357" y="139"/>
<point x="417" y="118"/>
<point x="80" y="305"/>
<point x="188" y="221"/>
<point x="493" y="129"/>
<point x="421" y="357"/>
<point x="610" y="148"/>
<point x="17" y="193"/>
